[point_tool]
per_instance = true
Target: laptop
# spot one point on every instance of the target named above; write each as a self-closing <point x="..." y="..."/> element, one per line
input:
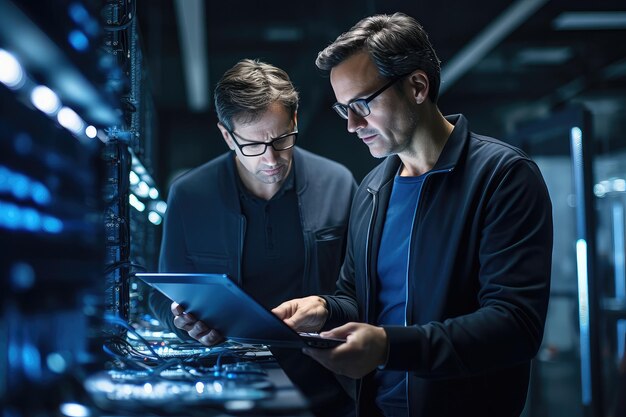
<point x="220" y="303"/>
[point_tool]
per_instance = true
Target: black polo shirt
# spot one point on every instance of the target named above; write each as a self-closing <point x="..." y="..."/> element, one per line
<point x="273" y="250"/>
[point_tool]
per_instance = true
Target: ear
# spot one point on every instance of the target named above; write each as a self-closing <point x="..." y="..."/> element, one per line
<point x="420" y="86"/>
<point x="295" y="118"/>
<point x="226" y="136"/>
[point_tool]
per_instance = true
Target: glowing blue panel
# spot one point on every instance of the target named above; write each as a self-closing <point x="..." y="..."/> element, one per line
<point x="40" y="193"/>
<point x="20" y="186"/>
<point x="52" y="224"/>
<point x="5" y="184"/>
<point x="10" y="216"/>
<point x="78" y="40"/>
<point x="78" y="13"/>
<point x="31" y="220"/>
<point x="31" y="361"/>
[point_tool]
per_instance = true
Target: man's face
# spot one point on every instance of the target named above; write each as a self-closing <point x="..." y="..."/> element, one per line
<point x="272" y="166"/>
<point x="389" y="127"/>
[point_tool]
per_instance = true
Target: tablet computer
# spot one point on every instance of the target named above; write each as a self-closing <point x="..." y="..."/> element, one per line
<point x="220" y="303"/>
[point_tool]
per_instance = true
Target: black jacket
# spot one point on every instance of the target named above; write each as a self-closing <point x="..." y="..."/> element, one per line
<point x="204" y="228"/>
<point x="478" y="278"/>
<point x="204" y="231"/>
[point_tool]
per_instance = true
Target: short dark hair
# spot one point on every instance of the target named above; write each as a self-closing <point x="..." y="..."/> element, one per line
<point x="247" y="90"/>
<point x="397" y="44"/>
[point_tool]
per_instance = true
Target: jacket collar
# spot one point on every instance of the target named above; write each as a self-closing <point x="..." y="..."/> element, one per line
<point x="299" y="163"/>
<point x="228" y="183"/>
<point x="448" y="159"/>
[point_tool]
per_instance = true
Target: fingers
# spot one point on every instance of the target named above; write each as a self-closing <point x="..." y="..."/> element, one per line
<point x="295" y="321"/>
<point x="196" y="328"/>
<point x="290" y="313"/>
<point x="211" y="338"/>
<point x="177" y="309"/>
<point x="283" y="311"/>
<point x="364" y="350"/>
<point x="303" y="314"/>
<point x="341" y="332"/>
<point x="202" y="333"/>
<point x="185" y="321"/>
<point x="304" y="321"/>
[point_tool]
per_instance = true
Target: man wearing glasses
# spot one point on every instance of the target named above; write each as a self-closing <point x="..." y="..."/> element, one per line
<point x="270" y="215"/>
<point x="443" y="293"/>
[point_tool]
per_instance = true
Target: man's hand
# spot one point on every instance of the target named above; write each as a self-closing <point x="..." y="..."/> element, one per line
<point x="365" y="348"/>
<point x="303" y="314"/>
<point x="196" y="329"/>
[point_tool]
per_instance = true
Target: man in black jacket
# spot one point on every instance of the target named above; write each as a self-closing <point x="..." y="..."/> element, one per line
<point x="270" y="215"/>
<point x="443" y="293"/>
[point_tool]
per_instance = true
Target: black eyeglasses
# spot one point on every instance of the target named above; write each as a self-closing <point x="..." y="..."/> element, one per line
<point x="360" y="106"/>
<point x="281" y="143"/>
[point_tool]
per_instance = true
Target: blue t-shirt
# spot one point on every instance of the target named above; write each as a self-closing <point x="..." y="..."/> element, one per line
<point x="391" y="299"/>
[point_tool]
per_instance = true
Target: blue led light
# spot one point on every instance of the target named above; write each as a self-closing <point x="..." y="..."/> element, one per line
<point x="11" y="73"/>
<point x="52" y="224"/>
<point x="23" y="144"/>
<point x="22" y="276"/>
<point x="20" y="185"/>
<point x="5" y="183"/>
<point x="31" y="220"/>
<point x="83" y="19"/>
<point x="40" y="193"/>
<point x="78" y="13"/>
<point x="10" y="216"/>
<point x="74" y="410"/>
<point x="78" y="40"/>
<point x="31" y="361"/>
<point x="23" y="187"/>
<point x="13" y="217"/>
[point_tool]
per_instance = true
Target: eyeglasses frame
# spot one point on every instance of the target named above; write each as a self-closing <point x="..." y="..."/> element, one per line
<point x="342" y="109"/>
<point x="271" y="142"/>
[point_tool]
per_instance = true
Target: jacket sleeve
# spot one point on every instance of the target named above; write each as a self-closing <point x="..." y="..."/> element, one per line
<point x="514" y="265"/>
<point x="173" y="256"/>
<point x="172" y="259"/>
<point x="342" y="306"/>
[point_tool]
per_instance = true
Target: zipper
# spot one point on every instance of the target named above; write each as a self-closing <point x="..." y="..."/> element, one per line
<point x="242" y="235"/>
<point x="307" y="247"/>
<point x="370" y="233"/>
<point x="408" y="255"/>
<point x="408" y="264"/>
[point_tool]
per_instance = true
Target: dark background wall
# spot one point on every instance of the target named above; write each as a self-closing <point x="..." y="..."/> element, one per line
<point x="520" y="66"/>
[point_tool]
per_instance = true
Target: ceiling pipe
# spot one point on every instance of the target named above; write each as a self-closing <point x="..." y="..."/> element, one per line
<point x="190" y="17"/>
<point x="486" y="40"/>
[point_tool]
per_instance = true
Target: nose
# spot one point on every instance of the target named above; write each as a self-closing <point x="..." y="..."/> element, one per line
<point x="270" y="156"/>
<point x="355" y="122"/>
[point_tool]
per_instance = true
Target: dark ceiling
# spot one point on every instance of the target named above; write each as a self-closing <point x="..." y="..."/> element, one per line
<point x="526" y="69"/>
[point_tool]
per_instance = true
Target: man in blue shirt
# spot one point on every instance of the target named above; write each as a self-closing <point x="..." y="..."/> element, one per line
<point x="443" y="293"/>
